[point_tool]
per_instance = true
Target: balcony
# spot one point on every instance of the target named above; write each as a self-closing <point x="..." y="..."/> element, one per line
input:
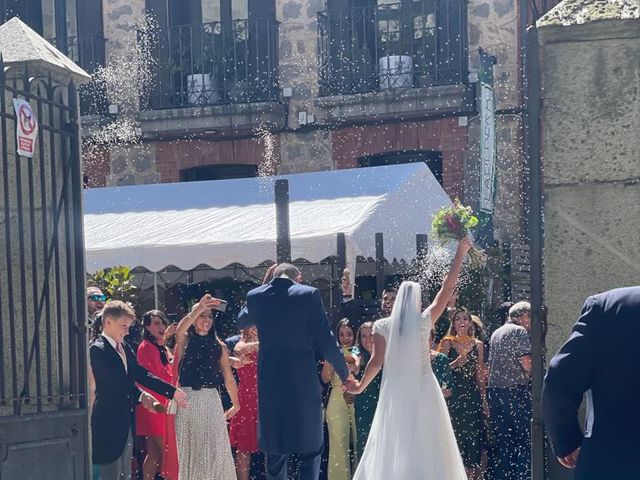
<point x="89" y="53"/>
<point x="217" y="63"/>
<point x="416" y="44"/>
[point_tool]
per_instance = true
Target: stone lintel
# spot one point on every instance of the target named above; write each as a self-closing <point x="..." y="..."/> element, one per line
<point x="222" y="119"/>
<point x="405" y="103"/>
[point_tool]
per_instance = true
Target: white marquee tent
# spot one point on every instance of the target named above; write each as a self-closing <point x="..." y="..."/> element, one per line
<point x="222" y="222"/>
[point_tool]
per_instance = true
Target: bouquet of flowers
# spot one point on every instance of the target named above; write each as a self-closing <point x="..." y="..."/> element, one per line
<point x="454" y="223"/>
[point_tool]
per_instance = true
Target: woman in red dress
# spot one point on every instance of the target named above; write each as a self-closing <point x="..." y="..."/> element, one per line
<point x="155" y="357"/>
<point x="244" y="426"/>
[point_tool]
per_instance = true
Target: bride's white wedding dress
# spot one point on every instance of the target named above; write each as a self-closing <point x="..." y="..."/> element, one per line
<point x="411" y="437"/>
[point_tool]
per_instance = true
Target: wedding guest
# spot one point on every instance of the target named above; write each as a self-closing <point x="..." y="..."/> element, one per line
<point x="170" y="454"/>
<point x="156" y="358"/>
<point x="366" y="402"/>
<point x="202" y="360"/>
<point x="442" y="372"/>
<point x="340" y="413"/>
<point x="509" y="394"/>
<point x="95" y="303"/>
<point x="477" y="328"/>
<point x="388" y="299"/>
<point x="466" y="357"/>
<point x="116" y="370"/>
<point x="244" y="426"/>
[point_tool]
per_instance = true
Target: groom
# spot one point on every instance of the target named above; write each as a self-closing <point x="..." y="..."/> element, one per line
<point x="291" y="324"/>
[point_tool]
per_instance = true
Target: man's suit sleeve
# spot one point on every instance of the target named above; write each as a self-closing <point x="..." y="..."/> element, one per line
<point x="144" y="378"/>
<point x="244" y="318"/>
<point x="324" y="338"/>
<point x="568" y="378"/>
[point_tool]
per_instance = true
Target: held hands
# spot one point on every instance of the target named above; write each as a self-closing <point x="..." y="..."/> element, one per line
<point x="350" y="385"/>
<point x="181" y="398"/>
<point x="229" y="414"/>
<point x="151" y="403"/>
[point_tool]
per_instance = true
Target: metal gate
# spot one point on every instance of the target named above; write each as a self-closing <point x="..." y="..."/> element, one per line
<point x="43" y="403"/>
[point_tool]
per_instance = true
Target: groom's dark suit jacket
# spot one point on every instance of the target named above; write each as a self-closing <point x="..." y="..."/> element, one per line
<point x="291" y="324"/>
<point x="112" y="416"/>
<point x="601" y="357"/>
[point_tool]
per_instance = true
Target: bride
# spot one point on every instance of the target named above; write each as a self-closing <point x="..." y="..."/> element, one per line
<point x="411" y="437"/>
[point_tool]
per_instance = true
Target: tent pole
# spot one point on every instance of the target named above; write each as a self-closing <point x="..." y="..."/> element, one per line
<point x="155" y="290"/>
<point x="283" y="238"/>
<point x="379" y="264"/>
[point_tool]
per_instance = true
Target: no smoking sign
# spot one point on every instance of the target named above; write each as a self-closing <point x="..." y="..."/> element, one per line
<point x="26" y="127"/>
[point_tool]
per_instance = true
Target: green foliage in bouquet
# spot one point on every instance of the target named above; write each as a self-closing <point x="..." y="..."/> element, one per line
<point x="453" y="223"/>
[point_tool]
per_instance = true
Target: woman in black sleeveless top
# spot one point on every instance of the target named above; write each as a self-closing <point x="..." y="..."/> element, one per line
<point x="204" y="451"/>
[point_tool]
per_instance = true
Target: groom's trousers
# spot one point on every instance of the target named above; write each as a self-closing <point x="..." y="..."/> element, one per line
<point x="309" y="466"/>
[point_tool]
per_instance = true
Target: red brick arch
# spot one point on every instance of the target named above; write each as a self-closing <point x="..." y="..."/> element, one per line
<point x="444" y="135"/>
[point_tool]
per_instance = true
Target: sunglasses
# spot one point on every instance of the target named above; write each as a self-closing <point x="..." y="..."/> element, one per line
<point x="97" y="298"/>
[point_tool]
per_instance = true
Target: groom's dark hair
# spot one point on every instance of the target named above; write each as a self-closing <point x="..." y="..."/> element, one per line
<point x="287" y="270"/>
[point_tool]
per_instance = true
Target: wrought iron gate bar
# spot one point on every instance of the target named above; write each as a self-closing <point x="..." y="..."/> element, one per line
<point x="29" y="290"/>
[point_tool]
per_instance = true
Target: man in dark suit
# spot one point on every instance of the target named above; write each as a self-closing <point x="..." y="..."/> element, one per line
<point x="292" y="323"/>
<point x="115" y="371"/>
<point x="601" y="359"/>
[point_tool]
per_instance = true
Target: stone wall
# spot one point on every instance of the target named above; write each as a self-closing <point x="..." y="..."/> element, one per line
<point x="493" y="25"/>
<point x="592" y="164"/>
<point x="306" y="152"/>
<point x="120" y="18"/>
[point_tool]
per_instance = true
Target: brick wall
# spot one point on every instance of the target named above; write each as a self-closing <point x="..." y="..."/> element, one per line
<point x="443" y="135"/>
<point x="171" y="157"/>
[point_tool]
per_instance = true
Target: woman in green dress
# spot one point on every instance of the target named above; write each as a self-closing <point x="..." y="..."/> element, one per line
<point x="340" y="413"/>
<point x="468" y="406"/>
<point x="367" y="401"/>
<point x="442" y="372"/>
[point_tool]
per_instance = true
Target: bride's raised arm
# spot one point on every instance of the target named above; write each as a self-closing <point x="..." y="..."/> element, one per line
<point x="439" y="303"/>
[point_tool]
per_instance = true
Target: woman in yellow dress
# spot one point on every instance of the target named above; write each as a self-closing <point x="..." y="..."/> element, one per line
<point x="340" y="413"/>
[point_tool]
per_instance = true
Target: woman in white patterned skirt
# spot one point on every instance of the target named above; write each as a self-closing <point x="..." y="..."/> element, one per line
<point x="202" y="360"/>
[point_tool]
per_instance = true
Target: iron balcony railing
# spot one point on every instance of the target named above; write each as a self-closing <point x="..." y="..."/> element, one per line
<point x="403" y="45"/>
<point x="217" y="63"/>
<point x="89" y="53"/>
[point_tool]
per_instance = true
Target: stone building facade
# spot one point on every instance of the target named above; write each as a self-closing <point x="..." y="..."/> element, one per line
<point x="346" y="127"/>
<point x="312" y="74"/>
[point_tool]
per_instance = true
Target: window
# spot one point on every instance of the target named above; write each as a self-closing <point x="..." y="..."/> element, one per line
<point x="215" y="52"/>
<point x="218" y="172"/>
<point x="366" y="45"/>
<point x="432" y="158"/>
